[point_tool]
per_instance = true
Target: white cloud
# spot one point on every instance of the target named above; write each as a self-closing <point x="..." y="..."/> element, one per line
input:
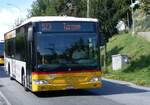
<point x="7" y="19"/>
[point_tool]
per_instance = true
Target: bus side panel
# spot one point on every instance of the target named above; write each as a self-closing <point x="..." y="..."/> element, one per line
<point x="19" y="66"/>
<point x="9" y="66"/>
<point x="15" y="67"/>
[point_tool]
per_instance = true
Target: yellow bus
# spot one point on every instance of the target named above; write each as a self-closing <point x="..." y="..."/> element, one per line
<point x="54" y="53"/>
<point x="1" y="53"/>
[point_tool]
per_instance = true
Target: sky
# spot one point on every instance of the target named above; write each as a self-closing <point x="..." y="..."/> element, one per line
<point x="10" y="11"/>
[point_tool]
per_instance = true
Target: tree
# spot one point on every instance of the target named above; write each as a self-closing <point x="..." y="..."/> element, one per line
<point x="46" y="8"/>
<point x="18" y="22"/>
<point x="146" y="6"/>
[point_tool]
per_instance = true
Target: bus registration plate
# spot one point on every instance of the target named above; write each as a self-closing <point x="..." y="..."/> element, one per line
<point x="70" y="87"/>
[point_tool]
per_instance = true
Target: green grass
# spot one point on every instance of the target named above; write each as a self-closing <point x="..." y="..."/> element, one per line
<point x="138" y="49"/>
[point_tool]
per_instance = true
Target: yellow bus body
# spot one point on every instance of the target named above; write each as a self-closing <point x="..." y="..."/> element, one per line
<point x="1" y="60"/>
<point x="64" y="81"/>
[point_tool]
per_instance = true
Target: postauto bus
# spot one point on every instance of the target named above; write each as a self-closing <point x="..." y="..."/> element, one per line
<point x="54" y="53"/>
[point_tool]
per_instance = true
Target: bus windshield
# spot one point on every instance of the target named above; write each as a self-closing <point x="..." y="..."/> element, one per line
<point x="66" y="51"/>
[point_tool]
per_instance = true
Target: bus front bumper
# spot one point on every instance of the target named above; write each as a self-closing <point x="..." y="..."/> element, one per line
<point x="53" y="87"/>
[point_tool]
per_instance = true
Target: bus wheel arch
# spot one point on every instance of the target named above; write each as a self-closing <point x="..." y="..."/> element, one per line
<point x="8" y="69"/>
<point x="23" y="79"/>
<point x="9" y="73"/>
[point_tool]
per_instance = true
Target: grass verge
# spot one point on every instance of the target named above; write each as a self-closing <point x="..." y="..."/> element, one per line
<point x="138" y="49"/>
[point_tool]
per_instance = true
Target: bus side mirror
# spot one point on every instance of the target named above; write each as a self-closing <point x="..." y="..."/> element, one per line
<point x="30" y="34"/>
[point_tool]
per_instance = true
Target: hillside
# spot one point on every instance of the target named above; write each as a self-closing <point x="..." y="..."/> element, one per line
<point x="138" y="49"/>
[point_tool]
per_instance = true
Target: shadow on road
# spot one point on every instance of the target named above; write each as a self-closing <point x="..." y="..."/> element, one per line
<point x="109" y="88"/>
<point x="64" y="93"/>
<point x="1" y="86"/>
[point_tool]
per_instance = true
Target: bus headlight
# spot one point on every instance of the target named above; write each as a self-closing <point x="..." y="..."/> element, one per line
<point x="95" y="79"/>
<point x="39" y="82"/>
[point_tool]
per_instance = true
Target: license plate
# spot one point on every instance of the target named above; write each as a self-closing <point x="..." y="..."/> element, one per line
<point x="70" y="87"/>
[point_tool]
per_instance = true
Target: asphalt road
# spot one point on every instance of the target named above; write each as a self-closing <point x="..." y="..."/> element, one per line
<point x="112" y="93"/>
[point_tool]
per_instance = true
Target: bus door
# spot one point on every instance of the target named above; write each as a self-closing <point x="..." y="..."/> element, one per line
<point x="30" y="57"/>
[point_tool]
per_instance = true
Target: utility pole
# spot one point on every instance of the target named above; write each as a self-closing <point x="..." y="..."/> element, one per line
<point x="69" y="8"/>
<point x="88" y="8"/>
<point x="132" y="19"/>
<point x="137" y="2"/>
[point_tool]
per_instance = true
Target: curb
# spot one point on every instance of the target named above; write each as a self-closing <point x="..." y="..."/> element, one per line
<point x="5" y="99"/>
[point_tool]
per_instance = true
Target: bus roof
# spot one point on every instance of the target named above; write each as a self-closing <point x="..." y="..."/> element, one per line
<point x="55" y="18"/>
<point x="58" y="18"/>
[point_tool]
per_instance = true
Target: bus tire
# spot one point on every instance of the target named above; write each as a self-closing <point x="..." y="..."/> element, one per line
<point x="11" y="78"/>
<point x="24" y="81"/>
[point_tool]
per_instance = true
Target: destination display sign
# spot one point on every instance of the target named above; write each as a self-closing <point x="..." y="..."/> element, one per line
<point x="66" y="27"/>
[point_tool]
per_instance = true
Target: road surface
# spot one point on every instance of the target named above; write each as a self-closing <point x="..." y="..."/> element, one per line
<point x="112" y="93"/>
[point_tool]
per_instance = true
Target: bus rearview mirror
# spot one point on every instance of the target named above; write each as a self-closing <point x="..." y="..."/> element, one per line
<point x="30" y="34"/>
